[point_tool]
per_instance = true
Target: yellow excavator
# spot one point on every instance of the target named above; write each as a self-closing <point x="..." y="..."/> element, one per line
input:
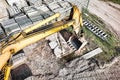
<point x="28" y="36"/>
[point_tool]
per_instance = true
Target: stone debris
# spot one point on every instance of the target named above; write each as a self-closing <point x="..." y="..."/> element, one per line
<point x="63" y="72"/>
<point x="59" y="45"/>
<point x="45" y="66"/>
<point x="53" y="44"/>
<point x="92" y="53"/>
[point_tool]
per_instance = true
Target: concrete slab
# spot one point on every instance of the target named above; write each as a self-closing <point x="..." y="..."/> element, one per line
<point x="92" y="53"/>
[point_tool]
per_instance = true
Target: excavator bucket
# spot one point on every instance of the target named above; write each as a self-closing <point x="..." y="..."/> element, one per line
<point x="77" y="16"/>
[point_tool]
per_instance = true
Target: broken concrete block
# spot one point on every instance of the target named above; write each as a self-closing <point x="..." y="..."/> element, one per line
<point x="58" y="52"/>
<point x="43" y="8"/>
<point x="11" y="28"/>
<point x="64" y="4"/>
<point x="92" y="53"/>
<point x="36" y="18"/>
<point x="53" y="44"/>
<point x="23" y="21"/>
<point x="54" y="6"/>
<point x="48" y="1"/>
<point x="19" y="3"/>
<point x="35" y="2"/>
<point x="13" y="11"/>
<point x="52" y="37"/>
<point x="8" y="22"/>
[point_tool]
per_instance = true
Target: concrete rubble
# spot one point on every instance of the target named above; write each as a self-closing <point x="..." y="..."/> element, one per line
<point x="92" y="53"/>
<point x="45" y="66"/>
<point x="59" y="46"/>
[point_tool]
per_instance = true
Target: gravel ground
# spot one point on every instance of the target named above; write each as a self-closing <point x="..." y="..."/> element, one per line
<point x="44" y="66"/>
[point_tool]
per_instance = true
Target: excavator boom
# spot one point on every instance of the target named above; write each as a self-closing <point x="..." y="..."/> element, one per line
<point x="28" y="36"/>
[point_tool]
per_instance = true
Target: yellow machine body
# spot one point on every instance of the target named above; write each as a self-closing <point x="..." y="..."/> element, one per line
<point x="23" y="41"/>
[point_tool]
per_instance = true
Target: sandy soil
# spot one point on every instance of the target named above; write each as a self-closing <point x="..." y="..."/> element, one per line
<point x="109" y="12"/>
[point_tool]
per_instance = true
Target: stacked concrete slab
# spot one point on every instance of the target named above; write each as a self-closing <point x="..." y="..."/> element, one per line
<point x="21" y="18"/>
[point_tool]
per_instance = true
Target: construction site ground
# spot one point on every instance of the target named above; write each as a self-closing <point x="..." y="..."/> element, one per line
<point x="42" y="64"/>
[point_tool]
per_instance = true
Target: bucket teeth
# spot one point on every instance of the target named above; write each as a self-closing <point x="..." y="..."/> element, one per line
<point x="71" y="46"/>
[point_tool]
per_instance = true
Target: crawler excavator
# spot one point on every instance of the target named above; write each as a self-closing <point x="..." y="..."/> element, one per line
<point x="14" y="39"/>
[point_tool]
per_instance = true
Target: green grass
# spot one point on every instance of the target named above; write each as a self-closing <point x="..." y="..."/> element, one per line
<point x="107" y="46"/>
<point x="115" y="1"/>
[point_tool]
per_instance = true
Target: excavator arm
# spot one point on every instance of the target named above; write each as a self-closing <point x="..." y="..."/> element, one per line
<point x="24" y="40"/>
<point x="14" y="48"/>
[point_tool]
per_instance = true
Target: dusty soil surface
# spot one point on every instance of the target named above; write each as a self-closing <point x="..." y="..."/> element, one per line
<point x="44" y="66"/>
<point x="109" y="12"/>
